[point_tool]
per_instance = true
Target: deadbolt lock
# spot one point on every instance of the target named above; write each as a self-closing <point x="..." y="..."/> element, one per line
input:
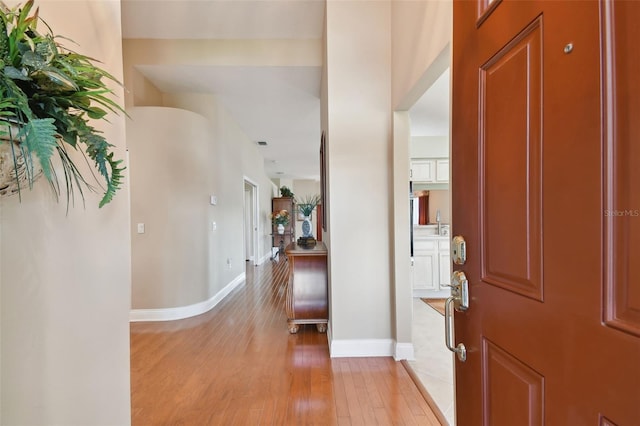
<point x="459" y="250"/>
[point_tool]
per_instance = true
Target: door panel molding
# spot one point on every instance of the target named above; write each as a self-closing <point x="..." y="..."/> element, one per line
<point x="606" y="422"/>
<point x="621" y="214"/>
<point x="485" y="9"/>
<point x="511" y="168"/>
<point x="513" y="391"/>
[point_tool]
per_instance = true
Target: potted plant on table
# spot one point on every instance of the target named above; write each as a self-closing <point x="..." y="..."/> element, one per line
<point x="49" y="96"/>
<point x="280" y="219"/>
<point x="286" y="192"/>
<point x="306" y="206"/>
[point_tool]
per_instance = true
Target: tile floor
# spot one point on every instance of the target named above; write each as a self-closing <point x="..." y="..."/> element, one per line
<point x="433" y="363"/>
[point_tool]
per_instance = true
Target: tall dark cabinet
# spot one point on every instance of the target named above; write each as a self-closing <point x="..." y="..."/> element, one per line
<point x="288" y="204"/>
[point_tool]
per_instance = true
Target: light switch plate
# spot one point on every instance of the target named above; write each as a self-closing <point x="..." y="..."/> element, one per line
<point x="141" y="228"/>
<point x="214" y="200"/>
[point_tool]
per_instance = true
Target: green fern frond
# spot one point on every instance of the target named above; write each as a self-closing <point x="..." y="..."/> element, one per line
<point x="116" y="180"/>
<point x="20" y="100"/>
<point x="4" y="40"/>
<point x="40" y="139"/>
<point x="98" y="151"/>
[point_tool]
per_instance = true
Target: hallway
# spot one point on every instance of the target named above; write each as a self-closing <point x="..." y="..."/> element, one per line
<point x="237" y="364"/>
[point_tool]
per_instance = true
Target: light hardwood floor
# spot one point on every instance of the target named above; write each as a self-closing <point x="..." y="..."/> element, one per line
<point x="238" y="365"/>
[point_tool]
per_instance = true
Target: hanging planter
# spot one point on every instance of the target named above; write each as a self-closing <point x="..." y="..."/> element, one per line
<point x="51" y="95"/>
<point x="17" y="170"/>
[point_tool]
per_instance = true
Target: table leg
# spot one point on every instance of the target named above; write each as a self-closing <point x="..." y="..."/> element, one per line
<point x="293" y="328"/>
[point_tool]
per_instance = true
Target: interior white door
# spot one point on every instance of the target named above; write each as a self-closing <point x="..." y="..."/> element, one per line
<point x="248" y="222"/>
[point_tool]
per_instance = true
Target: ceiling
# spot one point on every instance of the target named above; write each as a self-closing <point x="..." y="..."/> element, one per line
<point x="430" y="114"/>
<point x="276" y="104"/>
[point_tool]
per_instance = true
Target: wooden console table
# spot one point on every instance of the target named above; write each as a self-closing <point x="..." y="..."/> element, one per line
<point x="306" y="301"/>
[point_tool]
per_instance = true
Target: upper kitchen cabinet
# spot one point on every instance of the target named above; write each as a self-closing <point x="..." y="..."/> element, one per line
<point x="423" y="171"/>
<point x="429" y="170"/>
<point x="442" y="170"/>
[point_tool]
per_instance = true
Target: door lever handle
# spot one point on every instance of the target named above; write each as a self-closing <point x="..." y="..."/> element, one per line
<point x="460" y="350"/>
<point x="459" y="296"/>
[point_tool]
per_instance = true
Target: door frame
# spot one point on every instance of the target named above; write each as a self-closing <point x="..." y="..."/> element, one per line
<point x="402" y="267"/>
<point x="252" y="214"/>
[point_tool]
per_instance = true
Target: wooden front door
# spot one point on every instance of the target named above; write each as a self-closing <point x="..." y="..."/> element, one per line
<point x="546" y="193"/>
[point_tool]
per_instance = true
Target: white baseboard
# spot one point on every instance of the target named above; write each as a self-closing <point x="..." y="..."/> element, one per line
<point x="368" y="347"/>
<point x="361" y="348"/>
<point x="264" y="259"/>
<point x="181" y="312"/>
<point x="404" y="351"/>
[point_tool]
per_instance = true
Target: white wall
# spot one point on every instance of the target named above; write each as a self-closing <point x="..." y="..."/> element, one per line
<point x="171" y="179"/>
<point x="65" y="278"/>
<point x="180" y="158"/>
<point x="439" y="199"/>
<point x="380" y="57"/>
<point x="149" y="52"/>
<point x="429" y="147"/>
<point x="236" y="156"/>
<point x="305" y="187"/>
<point x="358" y="123"/>
<point x="421" y="47"/>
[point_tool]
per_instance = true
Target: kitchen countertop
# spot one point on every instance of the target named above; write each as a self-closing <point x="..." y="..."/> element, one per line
<point x="430" y="231"/>
<point x="432" y="237"/>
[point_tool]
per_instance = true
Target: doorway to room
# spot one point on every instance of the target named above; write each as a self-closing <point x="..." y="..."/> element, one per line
<point x="430" y="201"/>
<point x="250" y="221"/>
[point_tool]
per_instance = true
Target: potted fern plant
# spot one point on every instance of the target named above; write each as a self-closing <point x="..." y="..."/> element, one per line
<point x="306" y="206"/>
<point x="49" y="96"/>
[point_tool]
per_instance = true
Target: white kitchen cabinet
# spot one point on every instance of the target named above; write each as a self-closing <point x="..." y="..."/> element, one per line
<point x="431" y="268"/>
<point x="442" y="170"/>
<point x="444" y="269"/>
<point x="430" y="170"/>
<point x="425" y="267"/>
<point x="423" y="170"/>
